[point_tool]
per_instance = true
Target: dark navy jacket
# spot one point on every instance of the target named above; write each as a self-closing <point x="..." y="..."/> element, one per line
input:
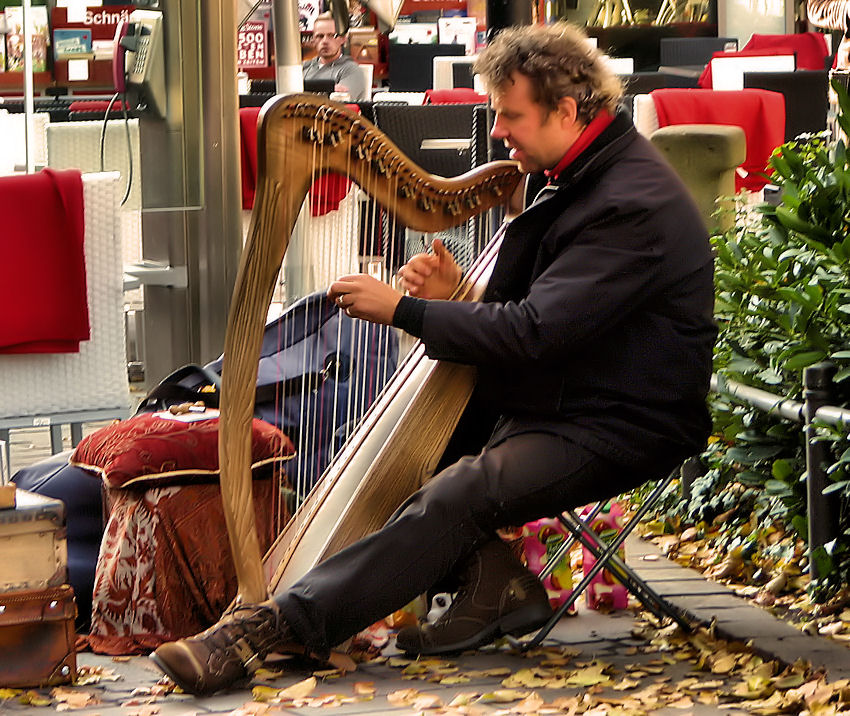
<point x="597" y="322"/>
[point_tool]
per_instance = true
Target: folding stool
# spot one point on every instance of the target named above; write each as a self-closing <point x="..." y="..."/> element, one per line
<point x="607" y="558"/>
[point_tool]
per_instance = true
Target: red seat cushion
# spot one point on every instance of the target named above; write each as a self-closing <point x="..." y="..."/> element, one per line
<point x="164" y="448"/>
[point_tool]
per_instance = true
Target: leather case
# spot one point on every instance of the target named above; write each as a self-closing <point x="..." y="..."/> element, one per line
<point x="37" y="637"/>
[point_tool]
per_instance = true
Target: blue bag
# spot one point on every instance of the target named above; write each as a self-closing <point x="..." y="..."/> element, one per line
<point x="319" y="371"/>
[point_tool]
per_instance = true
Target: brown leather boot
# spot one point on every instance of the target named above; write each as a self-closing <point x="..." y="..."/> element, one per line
<point x="227" y="652"/>
<point x="497" y="595"/>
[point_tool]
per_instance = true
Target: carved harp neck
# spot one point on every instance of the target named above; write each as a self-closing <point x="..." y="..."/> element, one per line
<point x="301" y="137"/>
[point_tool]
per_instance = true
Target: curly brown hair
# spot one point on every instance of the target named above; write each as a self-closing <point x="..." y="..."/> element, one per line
<point x="559" y="61"/>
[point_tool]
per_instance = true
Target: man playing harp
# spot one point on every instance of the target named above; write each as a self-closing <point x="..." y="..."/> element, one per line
<point x="593" y="349"/>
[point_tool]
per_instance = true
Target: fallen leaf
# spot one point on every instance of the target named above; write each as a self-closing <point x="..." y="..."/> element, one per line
<point x="531" y="704"/>
<point x="402" y="697"/>
<point x="73" y="698"/>
<point x="722" y="664"/>
<point x="625" y="685"/>
<point x="364" y="688"/>
<point x="33" y="698"/>
<point x="426" y="701"/>
<point x="683" y="702"/>
<point x="252" y="708"/>
<point x="299" y="690"/>
<point x="465" y="698"/>
<point x="503" y="696"/>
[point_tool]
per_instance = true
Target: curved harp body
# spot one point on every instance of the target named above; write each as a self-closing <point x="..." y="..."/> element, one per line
<point x="301" y="137"/>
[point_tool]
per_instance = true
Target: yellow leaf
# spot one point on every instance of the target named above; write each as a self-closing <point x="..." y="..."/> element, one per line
<point x="465" y="698"/>
<point x="682" y="703"/>
<point x="789" y="682"/>
<point x="33" y="698"/>
<point x="524" y="678"/>
<point x="625" y="685"/>
<point x="264" y="693"/>
<point x="328" y="674"/>
<point x="503" y="696"/>
<point x="723" y="664"/>
<point x="415" y="669"/>
<point x="398" y="661"/>
<point x="364" y="688"/>
<point x="454" y="680"/>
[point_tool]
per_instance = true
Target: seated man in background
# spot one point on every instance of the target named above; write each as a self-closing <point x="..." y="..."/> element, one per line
<point x="331" y="64"/>
<point x="593" y="348"/>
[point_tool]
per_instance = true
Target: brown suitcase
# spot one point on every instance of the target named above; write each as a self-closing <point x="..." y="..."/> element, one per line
<point x="33" y="543"/>
<point x="37" y="637"/>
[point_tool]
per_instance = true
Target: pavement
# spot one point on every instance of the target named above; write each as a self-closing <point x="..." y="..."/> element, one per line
<point x="591" y="663"/>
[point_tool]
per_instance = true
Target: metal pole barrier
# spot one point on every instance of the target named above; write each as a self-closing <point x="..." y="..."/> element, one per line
<point x="822" y="509"/>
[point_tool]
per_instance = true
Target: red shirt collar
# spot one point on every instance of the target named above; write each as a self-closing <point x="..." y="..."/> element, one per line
<point x="590" y="132"/>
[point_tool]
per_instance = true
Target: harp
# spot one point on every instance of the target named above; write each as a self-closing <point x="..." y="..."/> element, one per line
<point x="301" y="137"/>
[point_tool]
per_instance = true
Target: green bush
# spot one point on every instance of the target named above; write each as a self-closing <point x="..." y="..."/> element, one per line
<point x="782" y="278"/>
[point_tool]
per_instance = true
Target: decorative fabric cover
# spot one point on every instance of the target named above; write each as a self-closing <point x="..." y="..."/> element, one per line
<point x="160" y="447"/>
<point x="456" y="95"/>
<point x="42" y="263"/>
<point x="327" y="191"/>
<point x="760" y="113"/>
<point x="165" y="569"/>
<point x="809" y="48"/>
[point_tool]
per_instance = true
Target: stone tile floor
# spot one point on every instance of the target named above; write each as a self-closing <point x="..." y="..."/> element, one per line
<point x="585" y="638"/>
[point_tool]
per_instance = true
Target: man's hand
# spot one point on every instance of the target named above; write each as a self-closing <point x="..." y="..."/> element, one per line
<point x="362" y="296"/>
<point x="434" y="275"/>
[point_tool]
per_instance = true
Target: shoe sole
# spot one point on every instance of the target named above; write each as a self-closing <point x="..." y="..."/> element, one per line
<point x="166" y="669"/>
<point x="516" y="623"/>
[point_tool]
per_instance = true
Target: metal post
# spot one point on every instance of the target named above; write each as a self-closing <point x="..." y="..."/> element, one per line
<point x="691" y="469"/>
<point x="822" y="509"/>
<point x="287" y="47"/>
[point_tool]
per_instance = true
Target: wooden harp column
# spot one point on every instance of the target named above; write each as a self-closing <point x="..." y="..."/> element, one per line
<point x="300" y="137"/>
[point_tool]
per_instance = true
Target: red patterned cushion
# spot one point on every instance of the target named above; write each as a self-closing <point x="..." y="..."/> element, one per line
<point x="159" y="447"/>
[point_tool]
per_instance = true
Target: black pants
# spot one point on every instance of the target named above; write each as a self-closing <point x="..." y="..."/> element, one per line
<point x="520" y="479"/>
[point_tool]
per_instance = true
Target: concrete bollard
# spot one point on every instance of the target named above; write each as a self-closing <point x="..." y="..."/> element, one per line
<point x="705" y="157"/>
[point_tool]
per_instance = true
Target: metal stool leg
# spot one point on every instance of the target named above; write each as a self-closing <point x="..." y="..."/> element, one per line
<point x="604" y="557"/>
<point x="625" y="574"/>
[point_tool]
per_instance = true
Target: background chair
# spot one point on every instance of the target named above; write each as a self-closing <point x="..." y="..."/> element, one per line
<point x="369" y="76"/>
<point x="726" y="70"/>
<point x="693" y="51"/>
<point x="760" y="113"/>
<point x="74" y="388"/>
<point x="411" y="66"/>
<point x="806" y="97"/>
<point x="440" y="139"/>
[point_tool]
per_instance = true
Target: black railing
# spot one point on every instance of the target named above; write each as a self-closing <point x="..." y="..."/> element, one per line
<point x="818" y="390"/>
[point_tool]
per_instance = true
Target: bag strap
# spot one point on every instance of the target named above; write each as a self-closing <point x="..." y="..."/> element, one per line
<point x="177" y="388"/>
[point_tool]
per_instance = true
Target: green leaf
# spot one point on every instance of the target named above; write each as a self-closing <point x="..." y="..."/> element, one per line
<point x="801" y="524"/>
<point x="782" y="469"/>
<point x="803" y="360"/>
<point x="822" y="562"/>
<point x="836" y="487"/>
<point x="777" y="488"/>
